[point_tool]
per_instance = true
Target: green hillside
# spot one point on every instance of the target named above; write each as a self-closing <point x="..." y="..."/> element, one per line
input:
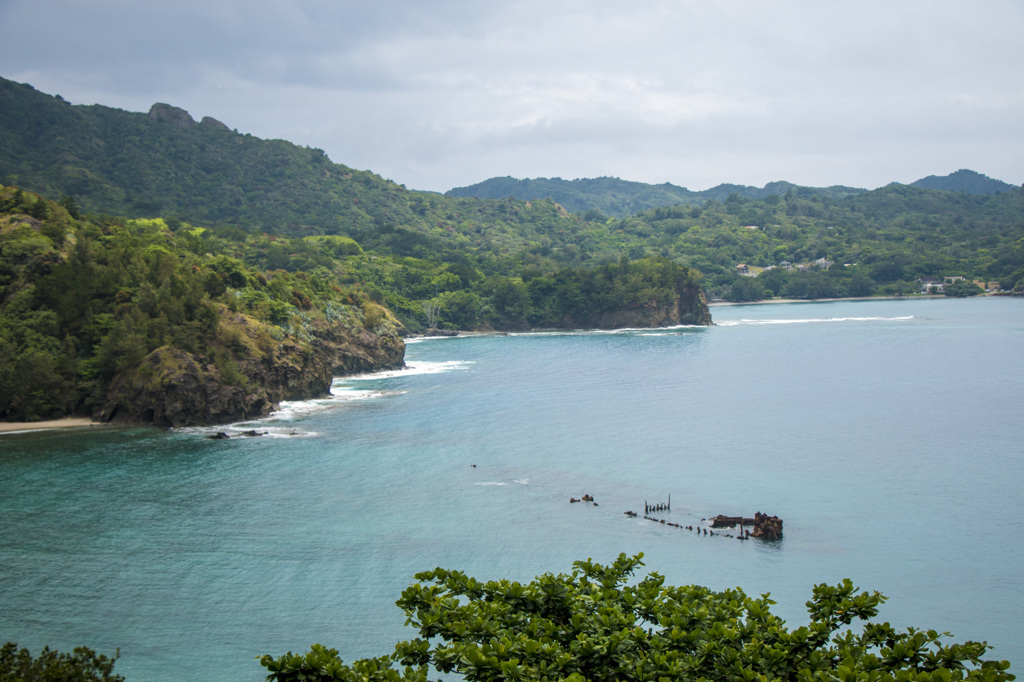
<point x="129" y="319"/>
<point x="164" y="163"/>
<point x="620" y="198"/>
<point x="966" y="181"/>
<point x="160" y="321"/>
<point x="452" y="262"/>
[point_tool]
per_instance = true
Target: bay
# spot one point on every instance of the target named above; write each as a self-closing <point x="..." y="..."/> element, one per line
<point x="886" y="434"/>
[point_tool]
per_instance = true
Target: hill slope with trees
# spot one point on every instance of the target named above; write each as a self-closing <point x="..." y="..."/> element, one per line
<point x="152" y="321"/>
<point x="620" y="198"/>
<point x="292" y="236"/>
<point x="129" y="320"/>
<point x="966" y="181"/>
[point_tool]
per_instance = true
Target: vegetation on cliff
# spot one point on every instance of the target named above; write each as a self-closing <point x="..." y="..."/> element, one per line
<point x="595" y="625"/>
<point x="106" y="317"/>
<point x="165" y="322"/>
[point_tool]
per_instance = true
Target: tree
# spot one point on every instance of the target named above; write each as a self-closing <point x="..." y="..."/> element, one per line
<point x="962" y="288"/>
<point x="745" y="289"/>
<point x="71" y="206"/>
<point x="460" y="309"/>
<point x="84" y="665"/>
<point x="594" y="625"/>
<point x="430" y="312"/>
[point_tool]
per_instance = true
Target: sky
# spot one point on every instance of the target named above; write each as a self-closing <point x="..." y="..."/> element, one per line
<point x="447" y="93"/>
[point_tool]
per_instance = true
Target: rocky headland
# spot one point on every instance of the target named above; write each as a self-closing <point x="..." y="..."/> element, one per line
<point x="689" y="306"/>
<point x="248" y="375"/>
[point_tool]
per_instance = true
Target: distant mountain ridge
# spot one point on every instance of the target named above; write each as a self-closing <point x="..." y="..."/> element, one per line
<point x="966" y="181"/>
<point x="620" y="198"/>
<point x="164" y="162"/>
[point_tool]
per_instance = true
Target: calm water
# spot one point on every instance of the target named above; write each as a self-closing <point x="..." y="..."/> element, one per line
<point x="887" y="435"/>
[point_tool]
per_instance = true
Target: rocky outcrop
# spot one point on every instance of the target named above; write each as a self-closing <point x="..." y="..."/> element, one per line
<point x="356" y="351"/>
<point x="172" y="387"/>
<point x="690" y="307"/>
<point x="211" y="123"/>
<point x="169" y="114"/>
<point x="764" y="527"/>
<point x="767" y="527"/>
<point x="247" y="374"/>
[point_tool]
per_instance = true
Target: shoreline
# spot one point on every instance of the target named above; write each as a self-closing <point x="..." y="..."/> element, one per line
<point x="769" y="301"/>
<point x="80" y="422"/>
<point x="66" y="422"/>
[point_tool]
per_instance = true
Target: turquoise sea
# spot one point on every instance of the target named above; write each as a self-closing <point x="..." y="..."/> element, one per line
<point x="886" y="434"/>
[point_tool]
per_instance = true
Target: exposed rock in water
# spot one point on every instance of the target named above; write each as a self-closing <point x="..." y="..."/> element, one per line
<point x="172" y="387"/>
<point x="766" y="527"/>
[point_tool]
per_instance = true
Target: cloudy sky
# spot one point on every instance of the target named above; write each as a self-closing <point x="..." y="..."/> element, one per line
<point x="446" y="93"/>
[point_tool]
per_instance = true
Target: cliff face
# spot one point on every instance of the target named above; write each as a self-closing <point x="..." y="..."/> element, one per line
<point x="690" y="307"/>
<point x="248" y="377"/>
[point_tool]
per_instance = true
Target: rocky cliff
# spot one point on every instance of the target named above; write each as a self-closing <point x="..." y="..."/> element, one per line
<point x="692" y="306"/>
<point x="689" y="307"/>
<point x="247" y="375"/>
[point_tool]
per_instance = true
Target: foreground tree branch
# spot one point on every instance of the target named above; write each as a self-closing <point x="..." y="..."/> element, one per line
<point x="594" y="625"/>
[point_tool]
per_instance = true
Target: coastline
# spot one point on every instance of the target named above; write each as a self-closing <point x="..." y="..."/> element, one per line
<point x="768" y="301"/>
<point x="67" y="422"/>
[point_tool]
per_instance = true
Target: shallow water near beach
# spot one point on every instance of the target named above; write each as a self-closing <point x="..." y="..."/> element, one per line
<point x="886" y="435"/>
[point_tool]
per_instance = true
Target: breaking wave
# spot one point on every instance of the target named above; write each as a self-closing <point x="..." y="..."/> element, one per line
<point x="811" y="320"/>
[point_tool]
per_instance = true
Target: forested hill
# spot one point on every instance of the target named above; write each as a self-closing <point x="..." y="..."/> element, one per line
<point x="464" y="262"/>
<point x="165" y="163"/>
<point x="621" y="198"/>
<point x="130" y="320"/>
<point x="164" y="322"/>
<point x="966" y="181"/>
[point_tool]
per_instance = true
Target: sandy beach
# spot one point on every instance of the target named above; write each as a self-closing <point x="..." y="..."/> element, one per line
<point x="51" y="424"/>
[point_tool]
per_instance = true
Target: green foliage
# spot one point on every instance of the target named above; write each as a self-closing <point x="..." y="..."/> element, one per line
<point x="622" y="198"/>
<point x="321" y="664"/>
<point x="83" y="302"/>
<point x="746" y="289"/>
<point x="964" y="181"/>
<point x="84" y="665"/>
<point x="289" y="236"/>
<point x="315" y="213"/>
<point x="962" y="288"/>
<point x="599" y="624"/>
